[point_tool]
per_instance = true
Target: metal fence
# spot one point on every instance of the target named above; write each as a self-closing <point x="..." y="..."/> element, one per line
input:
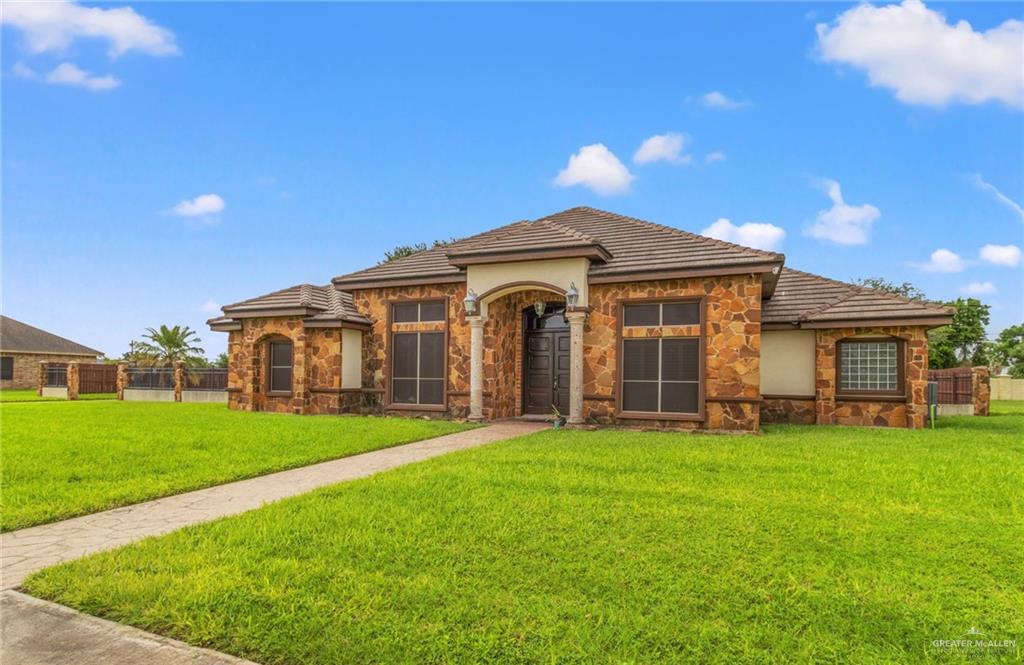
<point x="56" y="375"/>
<point x="150" y="378"/>
<point x="214" y="378"/>
<point x="954" y="385"/>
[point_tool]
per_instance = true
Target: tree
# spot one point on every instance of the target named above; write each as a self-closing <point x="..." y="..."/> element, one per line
<point x="962" y="343"/>
<point x="403" y="251"/>
<point x="165" y="346"/>
<point x="1008" y="351"/>
<point x="905" y="290"/>
<point x="221" y="360"/>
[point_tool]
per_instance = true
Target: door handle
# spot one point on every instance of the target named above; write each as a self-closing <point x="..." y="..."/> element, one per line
<point x="556" y="383"/>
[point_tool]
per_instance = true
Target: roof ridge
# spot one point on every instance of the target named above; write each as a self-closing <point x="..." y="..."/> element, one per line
<point x="579" y="235"/>
<point x="672" y="230"/>
<point x="498" y="233"/>
<point x="827" y="306"/>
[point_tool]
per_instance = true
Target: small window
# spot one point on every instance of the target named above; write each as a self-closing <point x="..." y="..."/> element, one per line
<point x="417" y="368"/>
<point x="649" y="315"/>
<point x="416" y="312"/>
<point x="6" y="368"/>
<point x="280" y="367"/>
<point x="870" y="366"/>
<point x="661" y="375"/>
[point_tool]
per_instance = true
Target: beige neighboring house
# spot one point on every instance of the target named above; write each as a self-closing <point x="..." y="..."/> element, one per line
<point x="23" y="347"/>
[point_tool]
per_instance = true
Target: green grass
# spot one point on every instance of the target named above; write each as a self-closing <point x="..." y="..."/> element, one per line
<point x="27" y="395"/>
<point x="806" y="544"/>
<point x="65" y="459"/>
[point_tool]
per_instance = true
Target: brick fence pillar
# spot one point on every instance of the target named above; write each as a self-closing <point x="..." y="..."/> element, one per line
<point x="179" y="379"/>
<point x="72" y="380"/>
<point x="42" y="377"/>
<point x="122" y="379"/>
<point x="980" y="390"/>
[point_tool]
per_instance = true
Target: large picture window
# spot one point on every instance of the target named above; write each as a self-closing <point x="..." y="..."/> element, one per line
<point x="280" y="367"/>
<point x="417" y="368"/>
<point x="661" y="375"/>
<point x="6" y="368"/>
<point x="870" y="366"/>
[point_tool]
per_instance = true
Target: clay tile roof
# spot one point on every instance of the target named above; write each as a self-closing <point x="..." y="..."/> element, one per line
<point x="625" y="244"/>
<point x="18" y="336"/>
<point x="321" y="303"/>
<point x="807" y="298"/>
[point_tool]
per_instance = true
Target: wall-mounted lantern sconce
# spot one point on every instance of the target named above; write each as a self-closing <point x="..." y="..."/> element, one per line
<point x="539" y="307"/>
<point x="470" y="302"/>
<point x="572" y="296"/>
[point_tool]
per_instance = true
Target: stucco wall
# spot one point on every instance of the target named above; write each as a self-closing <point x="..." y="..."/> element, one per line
<point x="560" y="273"/>
<point x="26" y="367"/>
<point x="787" y="363"/>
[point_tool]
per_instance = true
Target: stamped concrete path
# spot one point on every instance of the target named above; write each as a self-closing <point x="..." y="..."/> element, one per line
<point x="41" y="633"/>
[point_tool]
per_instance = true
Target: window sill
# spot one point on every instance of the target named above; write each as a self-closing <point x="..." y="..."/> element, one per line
<point x="278" y="393"/>
<point x="648" y="415"/>
<point x="415" y="407"/>
<point x="871" y="398"/>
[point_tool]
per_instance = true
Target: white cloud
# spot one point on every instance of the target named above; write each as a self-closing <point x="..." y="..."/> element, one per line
<point x="21" y="70"/>
<point x="662" y="148"/>
<point x="53" y="26"/>
<point x="1000" y="255"/>
<point x="596" y="167"/>
<point x="718" y="100"/>
<point x="67" y="73"/>
<point x="942" y="260"/>
<point x="716" y="156"/>
<point x="978" y="289"/>
<point x="997" y="195"/>
<point x="843" y="224"/>
<point x="210" y="307"/>
<point x="750" y="234"/>
<point x="912" y="50"/>
<point x="204" y="204"/>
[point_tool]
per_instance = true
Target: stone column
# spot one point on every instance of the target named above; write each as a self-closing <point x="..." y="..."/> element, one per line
<point x="42" y="377"/>
<point x="122" y="379"/>
<point x="476" y="368"/>
<point x="576" y="321"/>
<point x="981" y="390"/>
<point x="73" y="380"/>
<point x="179" y="379"/>
<point x="825" y="378"/>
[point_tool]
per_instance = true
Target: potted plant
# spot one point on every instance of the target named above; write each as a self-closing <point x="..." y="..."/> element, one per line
<point x="556" y="417"/>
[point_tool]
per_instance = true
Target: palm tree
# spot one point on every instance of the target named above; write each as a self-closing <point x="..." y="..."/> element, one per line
<point x="168" y="345"/>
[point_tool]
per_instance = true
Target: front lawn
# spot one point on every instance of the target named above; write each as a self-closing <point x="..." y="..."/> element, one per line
<point x="803" y="545"/>
<point x="28" y="395"/>
<point x="65" y="459"/>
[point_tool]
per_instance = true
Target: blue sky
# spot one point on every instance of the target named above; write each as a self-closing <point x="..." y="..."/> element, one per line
<point x="328" y="133"/>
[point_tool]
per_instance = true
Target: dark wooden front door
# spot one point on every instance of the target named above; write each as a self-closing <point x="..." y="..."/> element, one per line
<point x="546" y="371"/>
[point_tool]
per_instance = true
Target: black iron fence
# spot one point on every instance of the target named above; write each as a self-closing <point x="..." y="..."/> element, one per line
<point x="150" y="378"/>
<point x="56" y="375"/>
<point x="213" y="378"/>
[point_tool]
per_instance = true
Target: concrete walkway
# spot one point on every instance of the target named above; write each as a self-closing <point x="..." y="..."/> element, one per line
<point x="25" y="551"/>
<point x="37" y="632"/>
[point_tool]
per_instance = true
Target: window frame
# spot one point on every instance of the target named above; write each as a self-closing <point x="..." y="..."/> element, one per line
<point x="416" y="327"/>
<point x="898" y="394"/>
<point x="5" y="360"/>
<point x="701" y="336"/>
<point x="268" y="383"/>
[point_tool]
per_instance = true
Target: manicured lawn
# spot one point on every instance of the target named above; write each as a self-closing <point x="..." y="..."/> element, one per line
<point x="63" y="459"/>
<point x="802" y="545"/>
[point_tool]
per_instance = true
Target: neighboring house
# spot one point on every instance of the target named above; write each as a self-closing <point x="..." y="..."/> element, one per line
<point x="608" y="319"/>
<point x="23" y="347"/>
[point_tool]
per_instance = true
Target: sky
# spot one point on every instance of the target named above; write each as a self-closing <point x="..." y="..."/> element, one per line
<point x="163" y="159"/>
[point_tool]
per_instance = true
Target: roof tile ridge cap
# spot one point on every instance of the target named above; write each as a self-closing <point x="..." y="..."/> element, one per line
<point x="499" y="233"/>
<point x="868" y="290"/>
<point x="685" y="234"/>
<point x="306" y="295"/>
<point x="806" y="316"/>
<point x="260" y="297"/>
<point x="579" y="235"/>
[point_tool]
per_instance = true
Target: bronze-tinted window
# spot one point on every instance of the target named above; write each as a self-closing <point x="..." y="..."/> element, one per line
<point x="417" y="368"/>
<point x="280" y="367"/>
<point x="683" y="313"/>
<point x="6" y="368"/>
<point x="416" y="312"/>
<point x="661" y="375"/>
<point x="870" y="366"/>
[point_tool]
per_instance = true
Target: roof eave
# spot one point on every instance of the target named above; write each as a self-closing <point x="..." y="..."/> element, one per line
<point x="593" y="252"/>
<point x="336" y="323"/>
<point x="260" y="312"/>
<point x="929" y="321"/>
<point x="677" y="273"/>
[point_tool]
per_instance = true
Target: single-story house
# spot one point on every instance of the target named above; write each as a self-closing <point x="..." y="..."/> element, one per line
<point x="602" y="318"/>
<point x="23" y="347"/>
